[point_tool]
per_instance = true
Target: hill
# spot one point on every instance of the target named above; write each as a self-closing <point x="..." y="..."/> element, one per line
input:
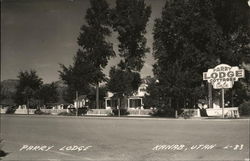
<point x="8" y="89"/>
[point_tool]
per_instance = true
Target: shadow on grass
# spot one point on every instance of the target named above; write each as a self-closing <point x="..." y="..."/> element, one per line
<point x="2" y="154"/>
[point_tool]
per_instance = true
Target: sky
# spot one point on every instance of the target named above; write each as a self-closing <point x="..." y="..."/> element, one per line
<point x="41" y="34"/>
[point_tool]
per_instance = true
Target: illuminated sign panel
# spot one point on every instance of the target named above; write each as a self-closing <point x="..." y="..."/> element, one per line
<point x="223" y="76"/>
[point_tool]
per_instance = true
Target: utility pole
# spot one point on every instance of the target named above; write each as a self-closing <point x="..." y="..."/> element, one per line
<point x="77" y="103"/>
<point x="97" y="95"/>
<point x="28" y="106"/>
<point x="223" y="103"/>
<point x="232" y="103"/>
<point x="118" y="107"/>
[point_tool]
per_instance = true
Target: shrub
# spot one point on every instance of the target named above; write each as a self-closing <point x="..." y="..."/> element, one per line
<point x="72" y="112"/>
<point x="244" y="109"/>
<point x="122" y="112"/>
<point x="66" y="114"/>
<point x="203" y="112"/>
<point x="2" y="153"/>
<point x="164" y="112"/>
<point x="11" y="110"/>
<point x="39" y="112"/>
<point x="81" y="111"/>
<point x="110" y="114"/>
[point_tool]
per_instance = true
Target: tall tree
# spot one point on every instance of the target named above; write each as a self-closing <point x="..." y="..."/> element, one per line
<point x="187" y="41"/>
<point x="78" y="76"/>
<point x="123" y="82"/>
<point x="193" y="36"/>
<point x="26" y="90"/>
<point x="2" y="93"/>
<point x="102" y="95"/>
<point x="234" y="19"/>
<point x="94" y="53"/>
<point x="129" y="19"/>
<point x="48" y="93"/>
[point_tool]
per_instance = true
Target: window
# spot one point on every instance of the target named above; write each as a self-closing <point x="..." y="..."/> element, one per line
<point x="108" y="103"/>
<point x="135" y="103"/>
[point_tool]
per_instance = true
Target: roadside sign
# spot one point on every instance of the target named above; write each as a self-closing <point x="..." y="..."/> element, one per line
<point x="223" y="76"/>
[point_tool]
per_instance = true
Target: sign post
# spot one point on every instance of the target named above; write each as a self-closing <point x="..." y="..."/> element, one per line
<point x="223" y="103"/>
<point x="223" y="76"/>
<point x="77" y="102"/>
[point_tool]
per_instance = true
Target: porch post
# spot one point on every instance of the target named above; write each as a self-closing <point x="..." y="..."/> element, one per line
<point x="128" y="103"/>
<point x="141" y="103"/>
<point x="106" y="103"/>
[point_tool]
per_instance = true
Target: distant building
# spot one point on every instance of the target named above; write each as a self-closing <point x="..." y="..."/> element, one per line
<point x="82" y="101"/>
<point x="132" y="102"/>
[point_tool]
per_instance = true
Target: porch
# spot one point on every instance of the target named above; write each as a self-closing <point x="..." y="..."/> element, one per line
<point x="133" y="102"/>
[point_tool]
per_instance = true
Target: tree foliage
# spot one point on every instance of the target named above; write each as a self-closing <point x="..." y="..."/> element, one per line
<point x="92" y="38"/>
<point x="79" y="75"/>
<point x="102" y="95"/>
<point x="129" y="19"/>
<point x="48" y="93"/>
<point x="3" y="93"/>
<point x="184" y="48"/>
<point x="123" y="82"/>
<point x="191" y="37"/>
<point x="28" y="87"/>
<point x="153" y="98"/>
<point x="93" y="54"/>
<point x="234" y="19"/>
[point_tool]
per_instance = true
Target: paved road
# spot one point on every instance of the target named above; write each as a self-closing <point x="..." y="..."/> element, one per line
<point x="111" y="139"/>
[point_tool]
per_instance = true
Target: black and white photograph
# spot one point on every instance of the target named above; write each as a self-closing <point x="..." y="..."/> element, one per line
<point x="125" y="80"/>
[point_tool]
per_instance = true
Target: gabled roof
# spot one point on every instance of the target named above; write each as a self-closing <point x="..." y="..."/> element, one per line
<point x="81" y="97"/>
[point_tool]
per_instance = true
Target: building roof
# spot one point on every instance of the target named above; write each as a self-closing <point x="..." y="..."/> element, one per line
<point x="81" y="97"/>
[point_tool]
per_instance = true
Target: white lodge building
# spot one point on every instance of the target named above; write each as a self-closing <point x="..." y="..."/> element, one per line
<point x="132" y="102"/>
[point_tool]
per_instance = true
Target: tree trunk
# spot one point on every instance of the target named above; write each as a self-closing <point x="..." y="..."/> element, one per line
<point x="232" y="97"/>
<point x="210" y="96"/>
<point x="28" y="106"/>
<point x="77" y="103"/>
<point x="97" y="95"/>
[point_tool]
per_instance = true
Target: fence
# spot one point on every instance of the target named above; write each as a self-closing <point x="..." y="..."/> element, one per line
<point x="232" y="112"/>
<point x="97" y="112"/>
<point x="191" y="113"/>
<point x="104" y="112"/>
<point x="3" y="110"/>
<point x="139" y="112"/>
<point x="25" y="111"/>
<point x="54" y="111"/>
